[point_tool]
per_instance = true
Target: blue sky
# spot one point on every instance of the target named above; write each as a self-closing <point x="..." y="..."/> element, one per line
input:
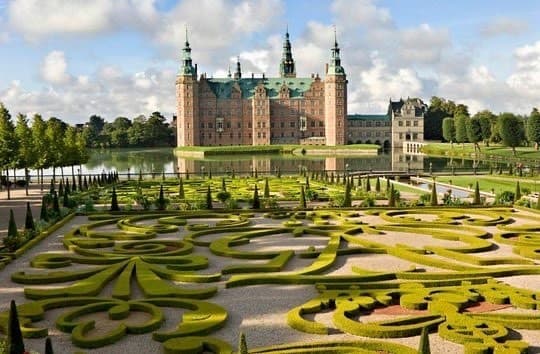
<point x="74" y="58"/>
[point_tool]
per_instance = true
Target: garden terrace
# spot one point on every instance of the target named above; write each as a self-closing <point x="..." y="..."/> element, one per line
<point x="363" y="280"/>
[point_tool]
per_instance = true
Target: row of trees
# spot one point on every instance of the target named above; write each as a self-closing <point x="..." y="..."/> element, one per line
<point x="43" y="144"/>
<point x="509" y="129"/>
<point x="122" y="132"/>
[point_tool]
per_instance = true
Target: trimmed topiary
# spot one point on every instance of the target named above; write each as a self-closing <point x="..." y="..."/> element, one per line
<point x="114" y="201"/>
<point x="517" y="195"/>
<point x="29" y="220"/>
<point x="266" y="189"/>
<point x="476" y="199"/>
<point x="209" y="205"/>
<point x="181" y="193"/>
<point x="391" y="197"/>
<point x="256" y="201"/>
<point x="223" y="185"/>
<point x="347" y="199"/>
<point x="303" y="204"/>
<point x="368" y="185"/>
<point x="161" y="203"/>
<point x="242" y="344"/>
<point x="56" y="204"/>
<point x="423" y="347"/>
<point x="48" y="346"/>
<point x="433" y="200"/>
<point x="14" y="336"/>
<point x="44" y="215"/>
<point x="378" y="185"/>
<point x="12" y="226"/>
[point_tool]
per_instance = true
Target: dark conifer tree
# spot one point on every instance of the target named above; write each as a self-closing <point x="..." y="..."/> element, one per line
<point x="29" y="220"/>
<point x="44" y="214"/>
<point x="303" y="204"/>
<point x="114" y="201"/>
<point x="209" y="205"/>
<point x="266" y="189"/>
<point x="14" y="336"/>
<point x="48" y="346"/>
<point x="256" y="200"/>
<point x="56" y="204"/>
<point x="181" y="194"/>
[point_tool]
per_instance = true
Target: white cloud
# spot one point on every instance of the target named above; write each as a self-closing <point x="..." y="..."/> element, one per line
<point x="504" y="26"/>
<point x="36" y="18"/>
<point x="423" y="44"/>
<point x="54" y="68"/>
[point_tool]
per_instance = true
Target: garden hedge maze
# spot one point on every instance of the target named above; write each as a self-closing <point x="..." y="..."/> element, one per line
<point x="452" y="276"/>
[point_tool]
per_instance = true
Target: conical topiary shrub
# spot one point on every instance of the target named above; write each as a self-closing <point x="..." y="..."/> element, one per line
<point x="15" y="344"/>
<point x="209" y="205"/>
<point x="223" y="185"/>
<point x="161" y="203"/>
<point x="391" y="197"/>
<point x="303" y="204"/>
<point x="242" y="344"/>
<point x="44" y="214"/>
<point x="56" y="204"/>
<point x="29" y="220"/>
<point x="181" y="194"/>
<point x="476" y="199"/>
<point x="114" y="201"/>
<point x="65" y="200"/>
<point x="368" y="185"/>
<point x="518" y="192"/>
<point x="347" y="199"/>
<point x="266" y="189"/>
<point x="378" y="185"/>
<point x="12" y="226"/>
<point x="256" y="200"/>
<point x="423" y="347"/>
<point x="48" y="346"/>
<point x="434" y="201"/>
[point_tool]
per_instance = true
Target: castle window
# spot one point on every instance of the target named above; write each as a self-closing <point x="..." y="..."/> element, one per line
<point x="312" y="133"/>
<point x="264" y="124"/>
<point x="258" y="134"/>
<point x="258" y="124"/>
<point x="239" y="125"/>
<point x="219" y="125"/>
<point x="239" y="135"/>
<point x="377" y="124"/>
<point x="210" y="125"/>
<point x="202" y="125"/>
<point x="249" y="125"/>
<point x="312" y="123"/>
<point x="272" y="125"/>
<point x="228" y="125"/>
<point x="415" y="136"/>
<point x="230" y="135"/>
<point x="210" y="135"/>
<point x="400" y="123"/>
<point x="400" y="136"/>
<point x="321" y="124"/>
<point x="282" y="124"/>
<point x="292" y="134"/>
<point x="415" y="123"/>
<point x="407" y="123"/>
<point x="378" y="134"/>
<point x="303" y="124"/>
<point x="250" y="135"/>
<point x="320" y="133"/>
<point x="264" y="135"/>
<point x="293" y="124"/>
<point x="368" y="123"/>
<point x="282" y="134"/>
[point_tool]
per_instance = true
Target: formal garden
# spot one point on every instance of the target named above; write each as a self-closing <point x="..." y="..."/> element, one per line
<point x="269" y="264"/>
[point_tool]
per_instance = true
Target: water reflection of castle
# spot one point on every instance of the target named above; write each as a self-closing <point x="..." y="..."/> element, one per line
<point x="395" y="160"/>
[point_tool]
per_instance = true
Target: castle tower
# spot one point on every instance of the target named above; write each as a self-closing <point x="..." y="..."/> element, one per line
<point x="286" y="67"/>
<point x="335" y="102"/>
<point x="238" y="72"/>
<point x="187" y="100"/>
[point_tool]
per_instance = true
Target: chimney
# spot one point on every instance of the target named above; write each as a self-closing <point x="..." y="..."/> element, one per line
<point x="263" y="76"/>
<point x="252" y="76"/>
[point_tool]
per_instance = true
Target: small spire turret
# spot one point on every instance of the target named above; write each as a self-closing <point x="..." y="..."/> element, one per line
<point x="287" y="67"/>
<point x="238" y="72"/>
<point x="187" y="64"/>
<point x="335" y="68"/>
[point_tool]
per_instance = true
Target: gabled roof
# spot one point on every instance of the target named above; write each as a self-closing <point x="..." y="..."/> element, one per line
<point x="297" y="86"/>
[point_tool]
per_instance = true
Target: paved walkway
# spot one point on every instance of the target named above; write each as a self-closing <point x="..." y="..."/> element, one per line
<point x="18" y="204"/>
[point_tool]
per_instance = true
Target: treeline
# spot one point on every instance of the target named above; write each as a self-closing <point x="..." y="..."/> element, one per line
<point x="507" y="128"/>
<point x="43" y="144"/>
<point x="153" y="131"/>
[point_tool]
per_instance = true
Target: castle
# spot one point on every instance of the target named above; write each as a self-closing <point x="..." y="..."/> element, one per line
<point x="253" y="110"/>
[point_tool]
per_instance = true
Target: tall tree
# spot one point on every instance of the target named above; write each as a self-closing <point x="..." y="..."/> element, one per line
<point x="533" y="128"/>
<point x="15" y="344"/>
<point x="8" y="144"/>
<point x="40" y="145"/>
<point x="487" y="121"/>
<point x="70" y="155"/>
<point x="474" y="132"/>
<point x="439" y="108"/>
<point x="511" y="130"/>
<point x="449" y="130"/>
<point x="26" y="156"/>
<point x="460" y="122"/>
<point x="54" y="136"/>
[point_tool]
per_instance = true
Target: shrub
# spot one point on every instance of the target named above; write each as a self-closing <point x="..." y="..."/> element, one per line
<point x="242" y="344"/>
<point x="256" y="203"/>
<point x="223" y="196"/>
<point x="114" y="201"/>
<point x="209" y="205"/>
<point x="161" y="202"/>
<point x="14" y="336"/>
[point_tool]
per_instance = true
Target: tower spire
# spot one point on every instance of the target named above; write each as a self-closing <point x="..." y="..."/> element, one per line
<point x="238" y="72"/>
<point x="287" y="67"/>
<point x="187" y="64"/>
<point x="335" y="68"/>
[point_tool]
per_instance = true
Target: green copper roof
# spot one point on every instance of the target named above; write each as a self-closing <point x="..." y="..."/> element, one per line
<point x="368" y="117"/>
<point x="297" y="86"/>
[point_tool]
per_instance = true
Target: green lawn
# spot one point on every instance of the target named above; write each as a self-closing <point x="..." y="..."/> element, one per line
<point x="489" y="183"/>
<point x="272" y="149"/>
<point x="445" y="149"/>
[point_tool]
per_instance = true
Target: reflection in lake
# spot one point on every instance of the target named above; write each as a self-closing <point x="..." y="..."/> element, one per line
<point x="160" y="160"/>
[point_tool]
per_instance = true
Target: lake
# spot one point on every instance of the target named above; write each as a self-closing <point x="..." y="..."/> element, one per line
<point x="159" y="160"/>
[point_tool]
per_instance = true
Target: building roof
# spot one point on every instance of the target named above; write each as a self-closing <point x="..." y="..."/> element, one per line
<point x="368" y="117"/>
<point x="297" y="86"/>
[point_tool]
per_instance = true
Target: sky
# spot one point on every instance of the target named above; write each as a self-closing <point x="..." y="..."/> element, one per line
<point x="74" y="58"/>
